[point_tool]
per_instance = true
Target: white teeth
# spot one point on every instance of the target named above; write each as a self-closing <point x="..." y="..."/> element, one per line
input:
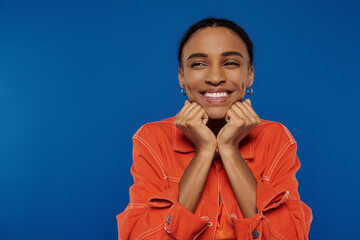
<point x="216" y="95"/>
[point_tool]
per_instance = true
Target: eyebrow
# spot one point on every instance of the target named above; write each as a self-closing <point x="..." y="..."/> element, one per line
<point x="224" y="54"/>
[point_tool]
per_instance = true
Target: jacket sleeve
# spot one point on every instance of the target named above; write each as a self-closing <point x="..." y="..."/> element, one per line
<point x="153" y="211"/>
<point x="281" y="213"/>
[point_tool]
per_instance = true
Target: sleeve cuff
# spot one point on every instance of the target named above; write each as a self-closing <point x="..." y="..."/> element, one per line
<point x="180" y="223"/>
<point x="165" y="198"/>
<point x="248" y="228"/>
<point x="268" y="197"/>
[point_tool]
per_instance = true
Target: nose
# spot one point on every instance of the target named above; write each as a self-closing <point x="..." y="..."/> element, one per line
<point x="215" y="76"/>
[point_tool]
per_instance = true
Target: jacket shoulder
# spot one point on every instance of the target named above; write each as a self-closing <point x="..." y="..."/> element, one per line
<point x="271" y="129"/>
<point x="155" y="129"/>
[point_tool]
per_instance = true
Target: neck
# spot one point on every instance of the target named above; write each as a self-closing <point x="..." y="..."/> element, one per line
<point x="216" y="125"/>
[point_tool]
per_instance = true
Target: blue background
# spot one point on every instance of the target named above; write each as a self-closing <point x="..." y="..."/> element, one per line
<point x="78" y="78"/>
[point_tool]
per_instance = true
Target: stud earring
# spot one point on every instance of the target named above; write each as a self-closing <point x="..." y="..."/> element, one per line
<point x="183" y="91"/>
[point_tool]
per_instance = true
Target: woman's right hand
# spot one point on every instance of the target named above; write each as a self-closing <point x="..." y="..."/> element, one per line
<point x="191" y="121"/>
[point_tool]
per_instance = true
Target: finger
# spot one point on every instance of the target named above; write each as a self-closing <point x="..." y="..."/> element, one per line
<point x="247" y="104"/>
<point x="244" y="114"/>
<point x="234" y="119"/>
<point x="231" y="115"/>
<point x="192" y="114"/>
<point x="200" y="114"/>
<point x="205" y="117"/>
<point x="238" y="110"/>
<point x="245" y="110"/>
<point x="184" y="115"/>
<point x="179" y="115"/>
<point x="186" y="104"/>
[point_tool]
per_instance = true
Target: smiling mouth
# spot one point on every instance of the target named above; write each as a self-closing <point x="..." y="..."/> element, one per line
<point x="216" y="97"/>
<point x="216" y="94"/>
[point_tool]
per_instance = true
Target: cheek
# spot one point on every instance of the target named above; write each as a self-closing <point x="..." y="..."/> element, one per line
<point x="242" y="91"/>
<point x="192" y="81"/>
<point x="243" y="88"/>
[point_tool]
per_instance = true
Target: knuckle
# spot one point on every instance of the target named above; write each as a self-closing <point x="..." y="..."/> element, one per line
<point x="237" y="105"/>
<point x="253" y="120"/>
<point x="240" y="123"/>
<point x="189" y="123"/>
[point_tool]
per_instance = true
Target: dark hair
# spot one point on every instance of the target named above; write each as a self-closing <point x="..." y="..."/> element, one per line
<point x="216" y="22"/>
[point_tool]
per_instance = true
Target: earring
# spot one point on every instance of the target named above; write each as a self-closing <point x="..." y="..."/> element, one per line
<point x="183" y="91"/>
<point x="249" y="90"/>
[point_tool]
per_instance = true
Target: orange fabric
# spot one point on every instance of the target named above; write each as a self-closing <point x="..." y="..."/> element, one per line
<point x="224" y="228"/>
<point x="160" y="155"/>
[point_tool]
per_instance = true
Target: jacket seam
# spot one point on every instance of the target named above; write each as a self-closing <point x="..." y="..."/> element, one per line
<point x="199" y="233"/>
<point x="288" y="134"/>
<point x="278" y="235"/>
<point x="175" y="215"/>
<point x="149" y="232"/>
<point x="172" y="179"/>
<point x="222" y="199"/>
<point x="226" y="210"/>
<point x="136" y="205"/>
<point x="255" y="220"/>
<point x="153" y="153"/>
<point x="276" y="161"/>
<point x="138" y="131"/>
<point x="168" y="121"/>
<point x="291" y="138"/>
<point x="309" y="221"/>
<point x="217" y="201"/>
<point x="267" y="202"/>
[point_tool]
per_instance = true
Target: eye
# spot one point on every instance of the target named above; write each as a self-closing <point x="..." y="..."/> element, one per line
<point x="232" y="63"/>
<point x="197" y="64"/>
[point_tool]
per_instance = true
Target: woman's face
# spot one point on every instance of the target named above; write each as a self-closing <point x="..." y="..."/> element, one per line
<point x="216" y="70"/>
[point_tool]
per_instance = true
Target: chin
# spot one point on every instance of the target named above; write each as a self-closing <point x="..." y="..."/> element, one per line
<point x="216" y="114"/>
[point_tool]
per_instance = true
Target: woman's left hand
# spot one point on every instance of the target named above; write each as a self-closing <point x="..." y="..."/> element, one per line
<point x="241" y="119"/>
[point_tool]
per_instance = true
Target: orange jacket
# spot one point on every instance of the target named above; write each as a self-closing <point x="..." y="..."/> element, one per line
<point x="160" y="155"/>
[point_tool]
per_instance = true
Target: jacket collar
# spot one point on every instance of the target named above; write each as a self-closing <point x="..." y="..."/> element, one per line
<point x="182" y="144"/>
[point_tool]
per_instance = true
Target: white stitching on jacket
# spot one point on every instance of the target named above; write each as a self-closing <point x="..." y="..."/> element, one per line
<point x="276" y="161"/>
<point x="149" y="232"/>
<point x="153" y="153"/>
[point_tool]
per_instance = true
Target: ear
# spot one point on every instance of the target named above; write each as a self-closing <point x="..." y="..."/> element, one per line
<point x="181" y="77"/>
<point x="250" y="76"/>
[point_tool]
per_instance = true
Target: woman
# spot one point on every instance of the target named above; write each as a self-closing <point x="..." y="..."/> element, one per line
<point x="215" y="171"/>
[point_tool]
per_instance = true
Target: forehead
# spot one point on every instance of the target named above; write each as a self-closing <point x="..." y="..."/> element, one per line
<point x="214" y="40"/>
